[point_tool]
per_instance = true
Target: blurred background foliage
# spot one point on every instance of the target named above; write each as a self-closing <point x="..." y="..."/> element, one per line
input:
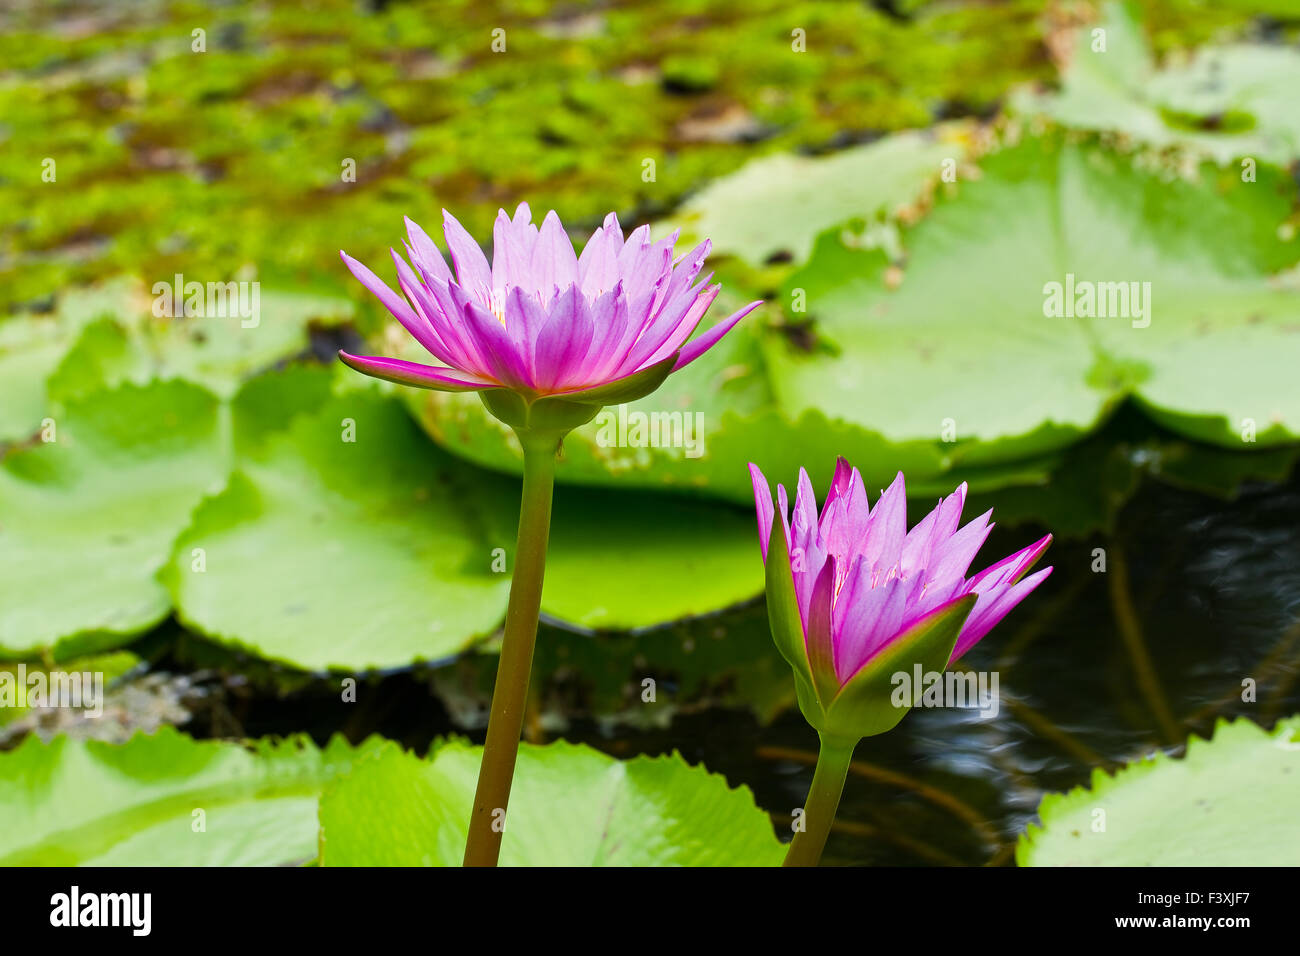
<point x="172" y="161"/>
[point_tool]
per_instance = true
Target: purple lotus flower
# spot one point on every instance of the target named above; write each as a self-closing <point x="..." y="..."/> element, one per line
<point x="864" y="586"/>
<point x="542" y="321"/>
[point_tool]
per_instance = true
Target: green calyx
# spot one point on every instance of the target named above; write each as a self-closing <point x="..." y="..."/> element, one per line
<point x="554" y="416"/>
<point x="541" y="417"/>
<point x="865" y="704"/>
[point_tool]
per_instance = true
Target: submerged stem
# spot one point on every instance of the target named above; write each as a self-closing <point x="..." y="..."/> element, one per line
<point x="833" y="758"/>
<point x="509" y="696"/>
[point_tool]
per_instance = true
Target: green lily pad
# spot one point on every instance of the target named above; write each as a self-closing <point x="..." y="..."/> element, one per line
<point x="1093" y="480"/>
<point x="1229" y="802"/>
<point x="383" y="551"/>
<point x="218" y="352"/>
<point x="965" y="342"/>
<point x="346" y="542"/>
<point x="733" y="423"/>
<point x="33" y="345"/>
<point x="106" y="335"/>
<point x="639" y="560"/>
<point x="165" y="800"/>
<point x="570" y="806"/>
<point x="777" y="205"/>
<point x="88" y="518"/>
<point x="1226" y="102"/>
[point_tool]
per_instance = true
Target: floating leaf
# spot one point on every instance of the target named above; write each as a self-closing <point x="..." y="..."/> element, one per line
<point x="239" y="334"/>
<point x="88" y="518"/>
<point x="345" y="543"/>
<point x="570" y="806"/>
<point x="965" y="342"/>
<point x="1227" y="102"/>
<point x="1229" y="802"/>
<point x="724" y="401"/>
<point x="925" y="366"/>
<point x="777" y="205"/>
<point x="165" y="800"/>
<point x="33" y="345"/>
<point x="378" y="552"/>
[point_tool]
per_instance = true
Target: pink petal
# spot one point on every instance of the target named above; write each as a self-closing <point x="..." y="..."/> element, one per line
<point x="393" y="302"/>
<point x="701" y="344"/>
<point x="872" y="621"/>
<point x="887" y="527"/>
<point x="763" y="507"/>
<point x="425" y="254"/>
<point x="496" y="345"/>
<point x="554" y="263"/>
<point x="412" y="373"/>
<point x="993" y="607"/>
<point x="951" y="558"/>
<point x="1011" y="568"/>
<point x="598" y="264"/>
<point x="563" y="342"/>
<point x="444" y="311"/>
<point x="659" y="342"/>
<point x="472" y="271"/>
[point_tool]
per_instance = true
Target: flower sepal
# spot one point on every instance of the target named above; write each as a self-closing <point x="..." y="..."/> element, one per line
<point x="866" y="705"/>
<point x="558" y="414"/>
<point x="785" y="621"/>
<point x="550" y="417"/>
<point x="626" y="389"/>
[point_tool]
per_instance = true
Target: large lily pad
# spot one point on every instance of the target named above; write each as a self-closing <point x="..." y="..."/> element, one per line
<point x="737" y="424"/>
<point x="107" y="335"/>
<point x="165" y="800"/>
<point x="777" y="205"/>
<point x="217" y="351"/>
<point x="570" y="806"/>
<point x="346" y="542"/>
<point x="961" y="337"/>
<point x="87" y="518"/>
<point x="379" y="552"/>
<point x="33" y="345"/>
<point x="1229" y="802"/>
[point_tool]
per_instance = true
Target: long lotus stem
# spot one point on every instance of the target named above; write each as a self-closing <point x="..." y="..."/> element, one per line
<point x="833" y="760"/>
<point x="486" y="824"/>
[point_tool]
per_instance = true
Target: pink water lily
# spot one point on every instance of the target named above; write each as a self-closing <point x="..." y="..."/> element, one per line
<point x="541" y="320"/>
<point x="862" y="580"/>
<point x="855" y="600"/>
<point x="545" y="337"/>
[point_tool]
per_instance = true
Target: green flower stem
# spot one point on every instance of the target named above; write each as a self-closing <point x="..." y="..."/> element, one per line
<point x="833" y="760"/>
<point x="510" y="694"/>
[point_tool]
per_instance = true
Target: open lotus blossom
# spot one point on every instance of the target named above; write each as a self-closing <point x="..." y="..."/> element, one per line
<point x="862" y="580"/>
<point x="546" y="337"/>
<point x="541" y="320"/>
